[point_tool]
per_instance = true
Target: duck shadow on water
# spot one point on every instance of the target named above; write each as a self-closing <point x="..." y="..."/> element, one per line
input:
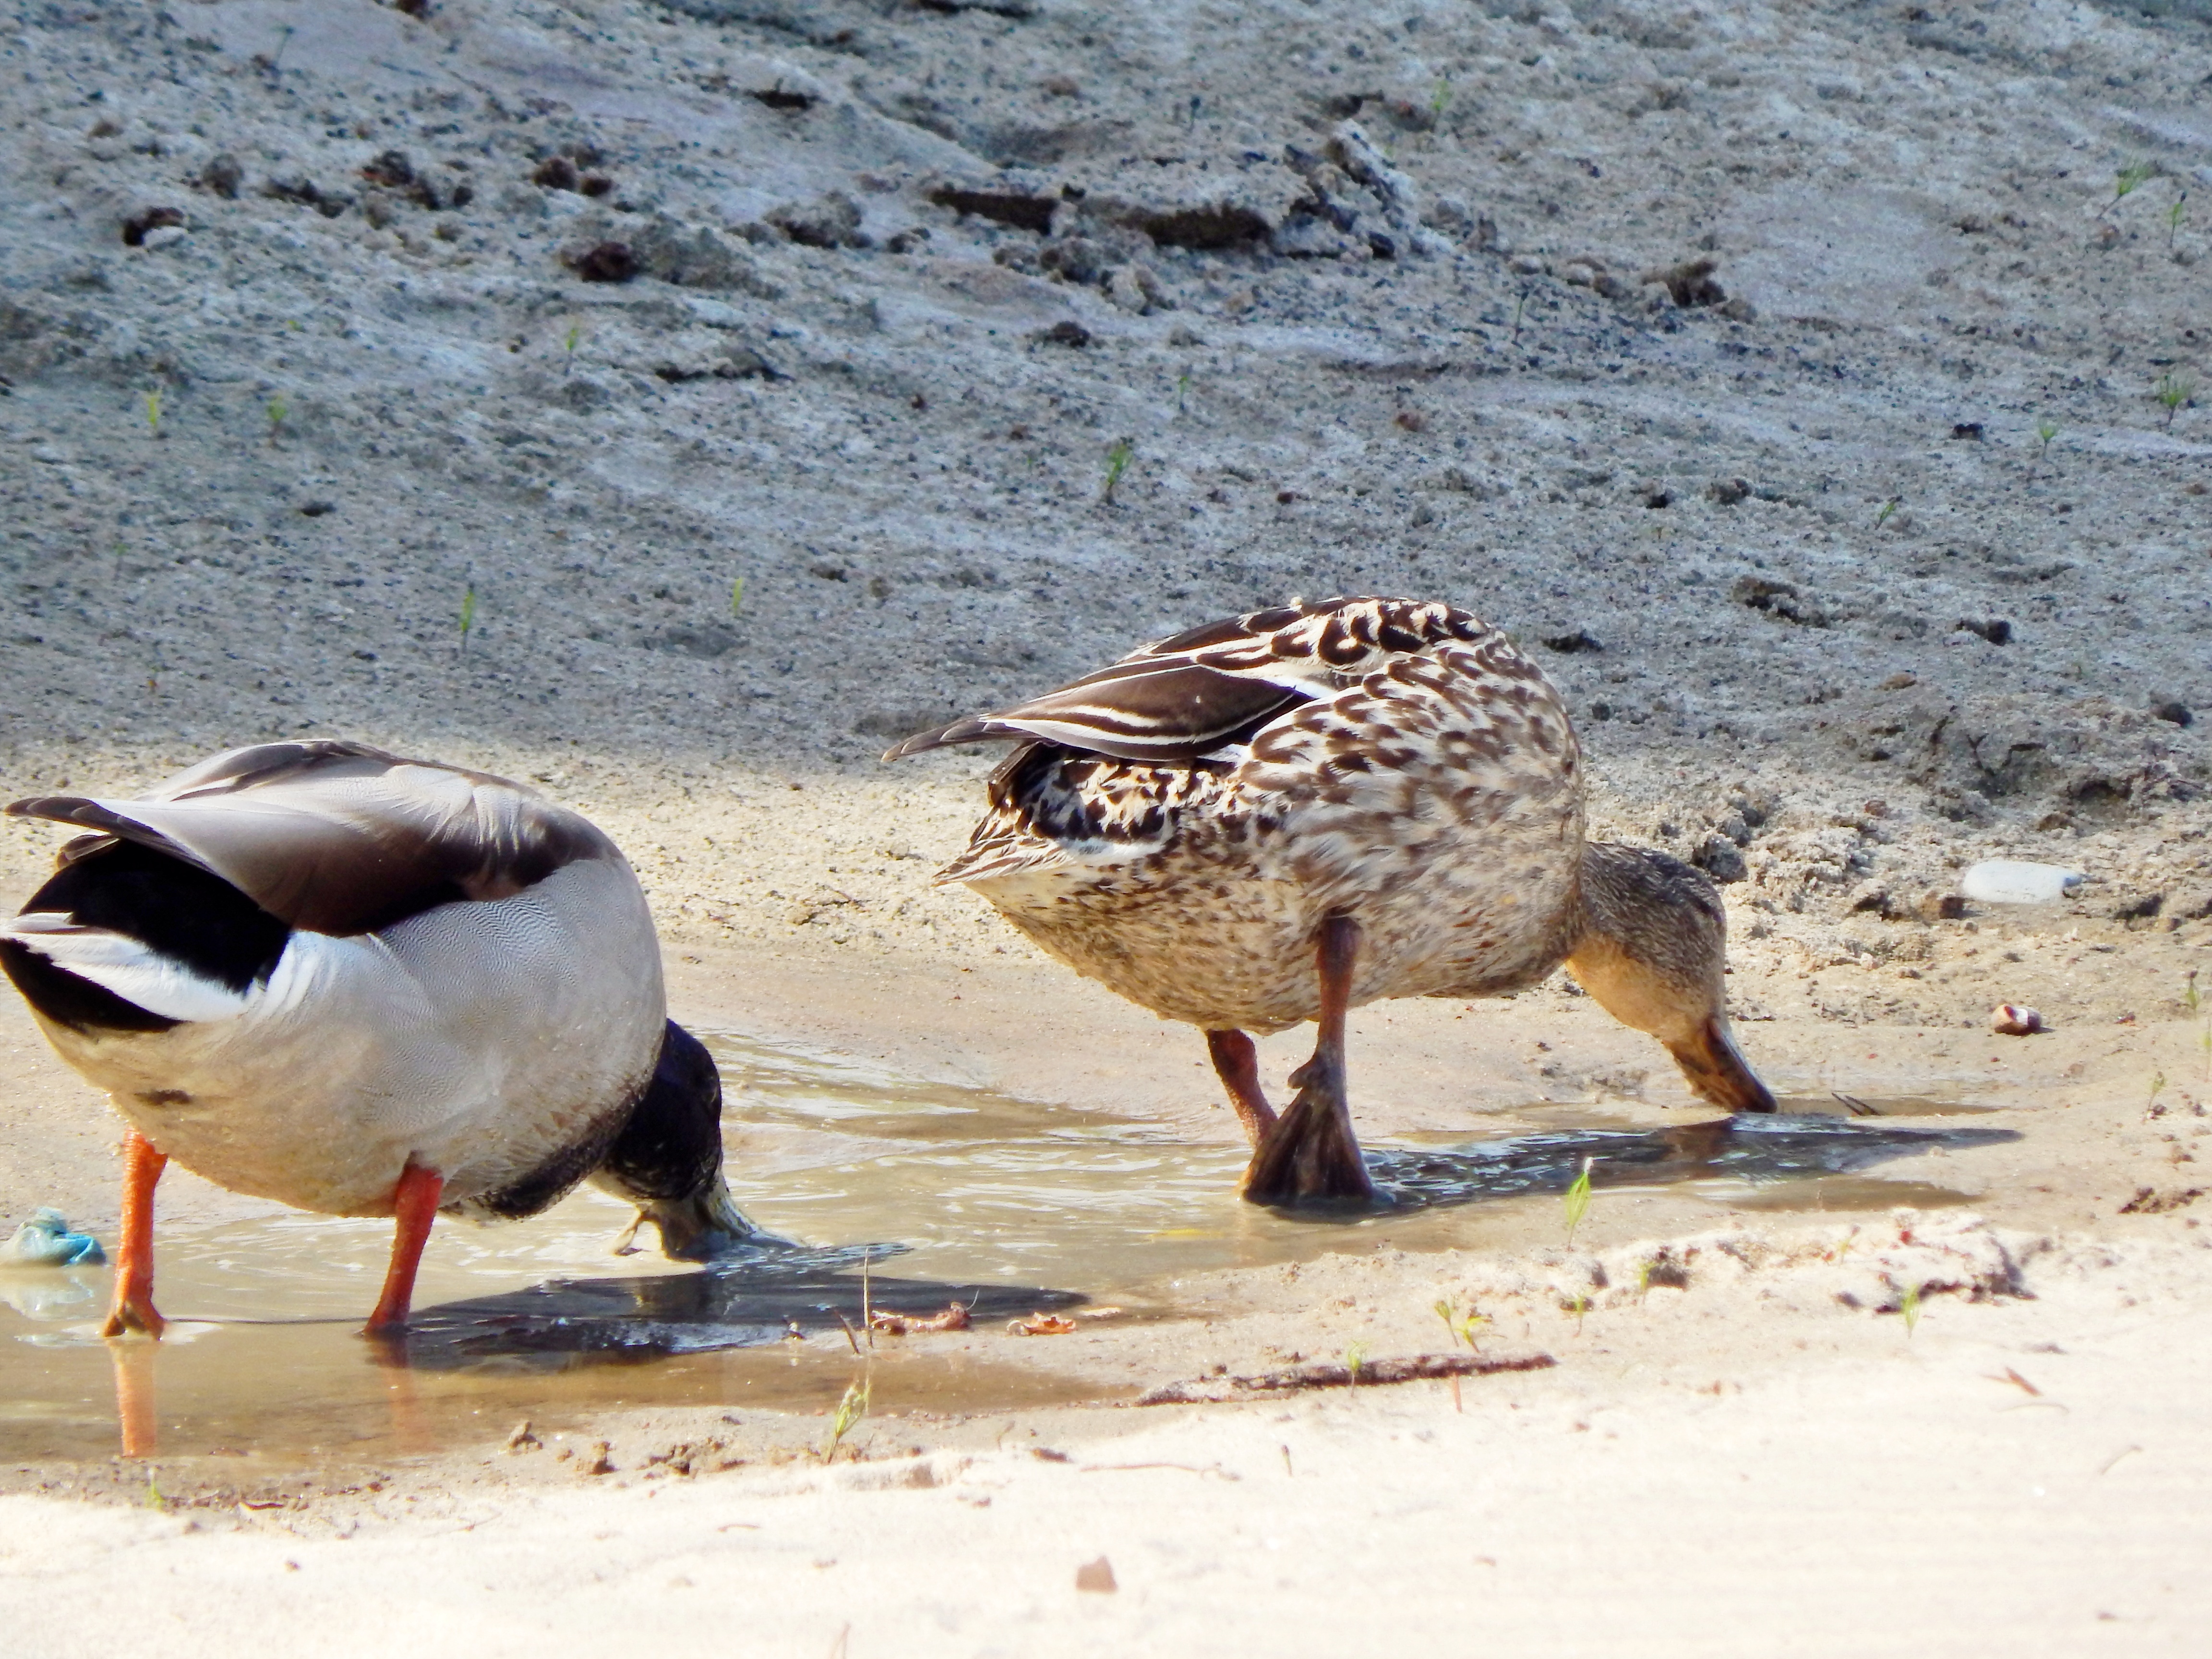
<point x="1754" y="1149"/>
<point x="765" y="1296"/>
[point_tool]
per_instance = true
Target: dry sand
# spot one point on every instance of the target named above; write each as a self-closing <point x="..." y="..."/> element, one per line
<point x="1763" y="544"/>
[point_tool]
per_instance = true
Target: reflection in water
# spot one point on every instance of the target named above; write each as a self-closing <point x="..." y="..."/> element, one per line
<point x="1753" y="1149"/>
<point x="1012" y="1207"/>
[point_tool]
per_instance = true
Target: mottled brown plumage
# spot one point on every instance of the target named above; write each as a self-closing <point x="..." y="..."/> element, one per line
<point x="1388" y="782"/>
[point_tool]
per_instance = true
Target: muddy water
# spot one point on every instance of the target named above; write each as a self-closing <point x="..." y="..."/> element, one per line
<point x="932" y="1193"/>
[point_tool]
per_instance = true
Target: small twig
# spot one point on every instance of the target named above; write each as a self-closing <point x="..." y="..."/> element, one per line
<point x="1372" y="1373"/>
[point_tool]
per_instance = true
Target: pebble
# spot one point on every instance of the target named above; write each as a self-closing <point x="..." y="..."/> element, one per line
<point x="2007" y="1020"/>
<point x="2015" y="881"/>
<point x="163" y="235"/>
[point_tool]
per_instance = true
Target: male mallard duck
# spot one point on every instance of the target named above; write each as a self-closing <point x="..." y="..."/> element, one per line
<point x="366" y="986"/>
<point x="1384" y="790"/>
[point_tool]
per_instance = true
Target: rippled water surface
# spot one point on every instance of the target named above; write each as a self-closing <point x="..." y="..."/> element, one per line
<point x="946" y="1193"/>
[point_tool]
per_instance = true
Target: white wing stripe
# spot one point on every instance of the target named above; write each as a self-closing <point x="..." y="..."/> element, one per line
<point x="136" y="972"/>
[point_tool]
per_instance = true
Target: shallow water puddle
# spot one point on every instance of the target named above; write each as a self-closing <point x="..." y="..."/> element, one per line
<point x="947" y="1193"/>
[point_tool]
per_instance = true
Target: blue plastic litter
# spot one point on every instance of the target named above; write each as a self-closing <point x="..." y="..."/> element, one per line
<point x="46" y="1241"/>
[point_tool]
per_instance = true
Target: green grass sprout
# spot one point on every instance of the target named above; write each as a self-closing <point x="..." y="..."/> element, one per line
<point x="2195" y="1004"/>
<point x="1117" y="463"/>
<point x="2174" y="215"/>
<point x="2046" y="430"/>
<point x="1354" y="1357"/>
<point x="737" y="595"/>
<point x="278" y="408"/>
<point x="468" y="614"/>
<point x="1183" y="390"/>
<point x="850" y="1410"/>
<point x="1909" y="1305"/>
<point x="2174" y="391"/>
<point x="1462" y="1326"/>
<point x="1578" y="1200"/>
<point x="153" y="412"/>
<point x="1887" y="507"/>
<point x="2129" y="180"/>
<point x="1440" y="100"/>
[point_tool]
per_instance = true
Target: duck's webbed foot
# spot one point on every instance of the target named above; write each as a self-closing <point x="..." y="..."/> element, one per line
<point x="1310" y="1153"/>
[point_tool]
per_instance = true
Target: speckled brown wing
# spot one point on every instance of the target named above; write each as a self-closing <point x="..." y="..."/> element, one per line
<point x="1184" y="696"/>
<point x="337" y="838"/>
<point x="1052" y="806"/>
<point x="1378" y="786"/>
<point x="1448" y="729"/>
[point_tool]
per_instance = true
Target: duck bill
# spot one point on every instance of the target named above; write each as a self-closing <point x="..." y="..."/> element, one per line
<point x="1716" y="1068"/>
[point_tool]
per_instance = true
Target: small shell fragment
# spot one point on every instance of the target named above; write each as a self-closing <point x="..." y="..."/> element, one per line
<point x="2006" y="1020"/>
<point x="954" y="1318"/>
<point x="2016" y="881"/>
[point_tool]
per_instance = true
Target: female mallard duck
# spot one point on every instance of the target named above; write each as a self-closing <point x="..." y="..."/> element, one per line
<point x="1287" y="814"/>
<point x="367" y="986"/>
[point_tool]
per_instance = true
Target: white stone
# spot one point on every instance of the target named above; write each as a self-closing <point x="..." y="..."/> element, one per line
<point x="2015" y="881"/>
<point x="162" y="235"/>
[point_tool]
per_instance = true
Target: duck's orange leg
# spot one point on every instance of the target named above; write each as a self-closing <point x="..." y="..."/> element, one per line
<point x="1311" y="1152"/>
<point x="133" y="1307"/>
<point x="1236" y="1063"/>
<point x="414" y="1207"/>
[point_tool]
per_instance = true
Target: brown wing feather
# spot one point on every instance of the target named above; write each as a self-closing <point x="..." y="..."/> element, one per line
<point x="338" y="837"/>
<point x="1181" y="697"/>
<point x="1049" y="804"/>
<point x="1171" y="711"/>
